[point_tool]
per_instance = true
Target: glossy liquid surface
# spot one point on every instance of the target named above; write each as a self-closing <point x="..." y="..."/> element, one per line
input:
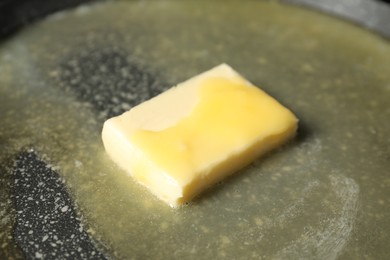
<point x="324" y="196"/>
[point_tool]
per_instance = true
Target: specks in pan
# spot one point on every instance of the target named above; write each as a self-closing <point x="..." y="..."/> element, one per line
<point x="47" y="225"/>
<point x="328" y="241"/>
<point x="108" y="78"/>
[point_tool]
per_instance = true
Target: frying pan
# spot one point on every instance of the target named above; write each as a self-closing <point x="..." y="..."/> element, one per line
<point x="66" y="236"/>
<point x="371" y="14"/>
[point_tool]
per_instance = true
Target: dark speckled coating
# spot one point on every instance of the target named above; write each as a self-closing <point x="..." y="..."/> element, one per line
<point x="89" y="71"/>
<point x="47" y="223"/>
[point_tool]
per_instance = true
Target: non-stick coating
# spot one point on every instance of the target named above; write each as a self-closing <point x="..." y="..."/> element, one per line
<point x="17" y="13"/>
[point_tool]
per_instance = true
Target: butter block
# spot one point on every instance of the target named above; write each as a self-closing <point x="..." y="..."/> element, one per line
<point x="193" y="135"/>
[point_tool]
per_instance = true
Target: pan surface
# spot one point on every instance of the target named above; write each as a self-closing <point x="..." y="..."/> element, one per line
<point x="323" y="196"/>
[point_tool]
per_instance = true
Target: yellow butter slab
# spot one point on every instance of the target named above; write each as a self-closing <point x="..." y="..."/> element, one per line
<point x="193" y="135"/>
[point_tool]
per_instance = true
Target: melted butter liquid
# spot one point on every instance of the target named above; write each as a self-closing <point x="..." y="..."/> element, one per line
<point x="325" y="195"/>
